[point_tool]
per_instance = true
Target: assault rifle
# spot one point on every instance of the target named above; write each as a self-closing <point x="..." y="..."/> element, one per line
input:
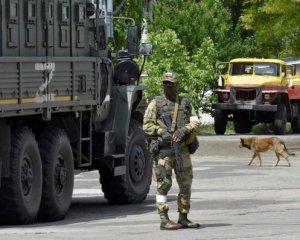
<point x="174" y="150"/>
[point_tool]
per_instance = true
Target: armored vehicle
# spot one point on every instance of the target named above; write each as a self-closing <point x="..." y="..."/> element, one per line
<point x="64" y="106"/>
<point x="253" y="90"/>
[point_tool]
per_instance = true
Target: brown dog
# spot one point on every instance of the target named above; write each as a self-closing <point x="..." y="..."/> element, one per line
<point x="259" y="145"/>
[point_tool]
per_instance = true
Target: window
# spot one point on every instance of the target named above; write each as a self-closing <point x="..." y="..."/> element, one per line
<point x="267" y="69"/>
<point x="241" y="69"/>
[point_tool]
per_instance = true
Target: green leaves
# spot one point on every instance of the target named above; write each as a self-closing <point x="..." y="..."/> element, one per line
<point x="169" y="55"/>
<point x="196" y="72"/>
<point x="188" y="38"/>
<point x="276" y="25"/>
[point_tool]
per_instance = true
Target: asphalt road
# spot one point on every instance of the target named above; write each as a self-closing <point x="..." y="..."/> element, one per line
<point x="229" y="199"/>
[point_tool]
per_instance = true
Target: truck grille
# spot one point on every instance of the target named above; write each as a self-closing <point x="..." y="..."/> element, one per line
<point x="245" y="94"/>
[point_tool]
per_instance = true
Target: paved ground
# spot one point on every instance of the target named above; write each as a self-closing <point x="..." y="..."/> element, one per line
<point x="229" y="199"/>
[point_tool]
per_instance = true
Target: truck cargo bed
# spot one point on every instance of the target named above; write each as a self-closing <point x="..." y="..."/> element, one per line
<point x="32" y="85"/>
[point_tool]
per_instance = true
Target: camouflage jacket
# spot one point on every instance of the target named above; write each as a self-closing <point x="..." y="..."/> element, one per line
<point x="186" y="116"/>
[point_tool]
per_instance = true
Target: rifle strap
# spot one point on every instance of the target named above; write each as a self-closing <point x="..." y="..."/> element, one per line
<point x="174" y="119"/>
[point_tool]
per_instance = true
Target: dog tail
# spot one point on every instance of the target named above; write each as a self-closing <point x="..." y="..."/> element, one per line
<point x="285" y="149"/>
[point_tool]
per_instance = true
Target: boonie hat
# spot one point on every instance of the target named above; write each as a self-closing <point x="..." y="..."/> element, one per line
<point x="171" y="77"/>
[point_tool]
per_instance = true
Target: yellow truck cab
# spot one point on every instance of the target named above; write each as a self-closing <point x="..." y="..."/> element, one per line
<point x="252" y="91"/>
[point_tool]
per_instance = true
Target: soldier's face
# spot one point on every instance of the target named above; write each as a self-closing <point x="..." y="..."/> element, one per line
<point x="170" y="90"/>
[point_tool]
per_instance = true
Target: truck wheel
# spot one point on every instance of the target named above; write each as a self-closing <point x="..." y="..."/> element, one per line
<point x="20" y="194"/>
<point x="58" y="174"/>
<point x="220" y="121"/>
<point x="295" y="123"/>
<point x="134" y="186"/>
<point x="280" y="120"/>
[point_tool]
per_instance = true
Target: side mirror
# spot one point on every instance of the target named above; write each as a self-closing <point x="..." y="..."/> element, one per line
<point x="220" y="82"/>
<point x="145" y="49"/>
<point x="132" y="41"/>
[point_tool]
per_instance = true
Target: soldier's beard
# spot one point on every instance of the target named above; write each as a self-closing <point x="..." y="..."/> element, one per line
<point x="171" y="92"/>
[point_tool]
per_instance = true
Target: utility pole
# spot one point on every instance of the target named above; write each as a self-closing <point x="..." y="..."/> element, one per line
<point x="148" y="9"/>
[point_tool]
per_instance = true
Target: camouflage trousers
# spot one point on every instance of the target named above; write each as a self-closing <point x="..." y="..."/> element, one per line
<point x="163" y="171"/>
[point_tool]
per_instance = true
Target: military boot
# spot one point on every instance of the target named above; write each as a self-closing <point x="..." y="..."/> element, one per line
<point x="166" y="223"/>
<point x="183" y="220"/>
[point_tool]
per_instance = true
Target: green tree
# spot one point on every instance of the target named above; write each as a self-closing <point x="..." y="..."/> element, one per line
<point x="275" y="24"/>
<point x="193" y="21"/>
<point x="169" y="55"/>
<point x="195" y="71"/>
<point x="188" y="38"/>
<point x="201" y="79"/>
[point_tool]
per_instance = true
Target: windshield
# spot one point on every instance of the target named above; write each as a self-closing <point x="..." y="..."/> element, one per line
<point x="266" y="69"/>
<point x="269" y="69"/>
<point x="241" y="69"/>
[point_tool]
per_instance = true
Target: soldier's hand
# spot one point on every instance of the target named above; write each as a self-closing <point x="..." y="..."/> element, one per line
<point x="178" y="135"/>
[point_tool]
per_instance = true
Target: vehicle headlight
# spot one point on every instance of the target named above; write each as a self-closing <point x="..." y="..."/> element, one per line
<point x="267" y="96"/>
<point x="225" y="96"/>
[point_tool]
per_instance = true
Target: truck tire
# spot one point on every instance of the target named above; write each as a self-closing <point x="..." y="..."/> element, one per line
<point x="134" y="186"/>
<point x="295" y="123"/>
<point x="20" y="194"/>
<point x="280" y="120"/>
<point x="220" y="122"/>
<point x="58" y="174"/>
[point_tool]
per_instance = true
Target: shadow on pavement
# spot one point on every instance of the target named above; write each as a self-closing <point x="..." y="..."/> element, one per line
<point x="86" y="209"/>
<point x="215" y="225"/>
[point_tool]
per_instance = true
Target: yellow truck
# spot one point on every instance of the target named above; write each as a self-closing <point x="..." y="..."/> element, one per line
<point x="252" y="91"/>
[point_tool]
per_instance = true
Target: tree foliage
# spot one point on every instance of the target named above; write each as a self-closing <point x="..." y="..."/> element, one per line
<point x="169" y="55"/>
<point x="190" y="36"/>
<point x="276" y="26"/>
<point x="195" y="72"/>
<point x="193" y="21"/>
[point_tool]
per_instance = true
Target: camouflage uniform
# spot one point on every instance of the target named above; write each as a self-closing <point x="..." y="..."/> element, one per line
<point x="187" y="120"/>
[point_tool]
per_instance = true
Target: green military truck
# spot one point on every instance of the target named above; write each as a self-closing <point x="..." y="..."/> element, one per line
<point x="64" y="107"/>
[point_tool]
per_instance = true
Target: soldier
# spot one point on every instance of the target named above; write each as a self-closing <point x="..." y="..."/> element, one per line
<point x="184" y="122"/>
